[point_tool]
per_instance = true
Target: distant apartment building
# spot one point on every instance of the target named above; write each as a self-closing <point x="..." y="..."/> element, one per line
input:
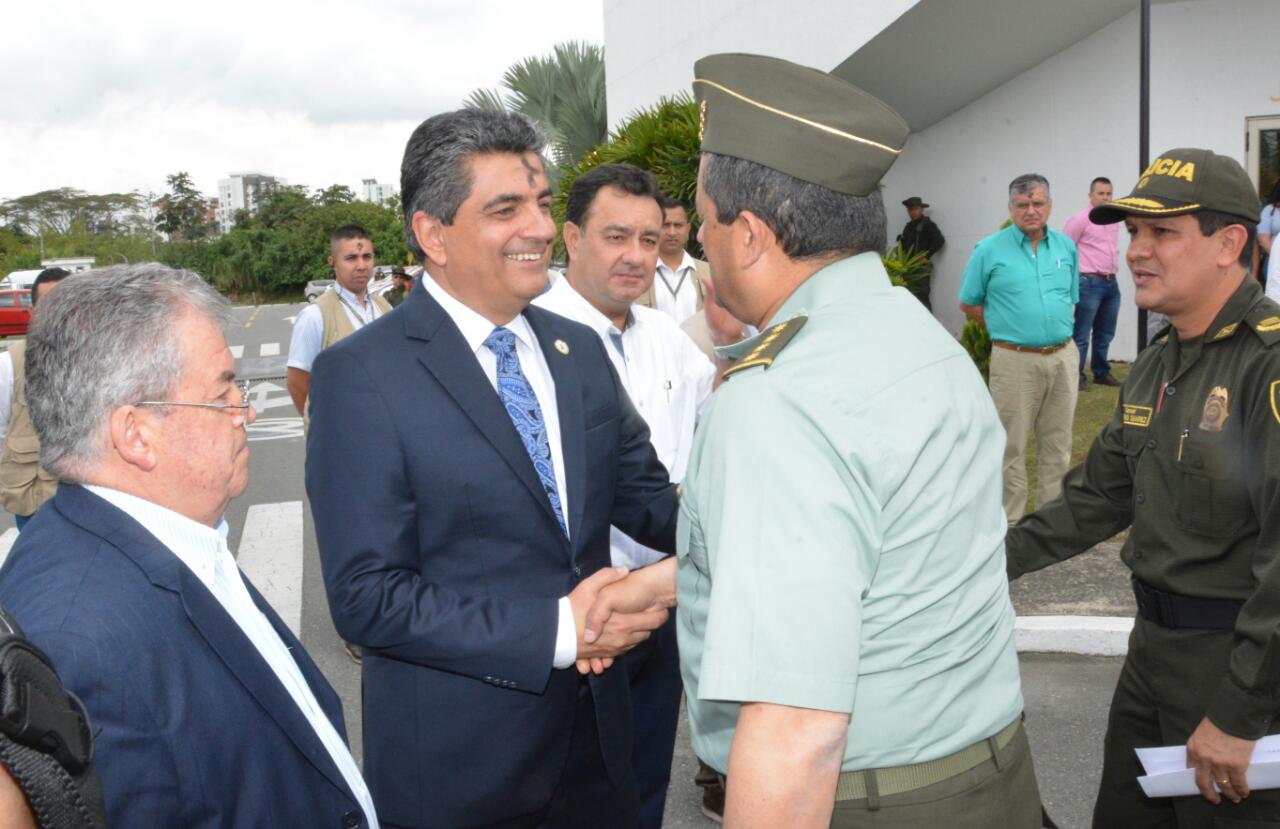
<point x="242" y="191"/>
<point x="377" y="193"/>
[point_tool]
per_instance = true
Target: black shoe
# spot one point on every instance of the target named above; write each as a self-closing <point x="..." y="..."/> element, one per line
<point x="713" y="802"/>
<point x="1106" y="380"/>
<point x="354" y="652"/>
<point x="1084" y="385"/>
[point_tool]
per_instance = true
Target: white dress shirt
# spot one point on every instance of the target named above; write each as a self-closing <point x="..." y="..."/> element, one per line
<point x="533" y="363"/>
<point x="676" y="292"/>
<point x="204" y="551"/>
<point x="308" y="327"/>
<point x="666" y="376"/>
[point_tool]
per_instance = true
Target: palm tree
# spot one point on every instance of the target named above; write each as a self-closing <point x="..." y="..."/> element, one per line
<point x="563" y="92"/>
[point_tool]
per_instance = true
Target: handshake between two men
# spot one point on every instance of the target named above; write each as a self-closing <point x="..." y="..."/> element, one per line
<point x="615" y="609"/>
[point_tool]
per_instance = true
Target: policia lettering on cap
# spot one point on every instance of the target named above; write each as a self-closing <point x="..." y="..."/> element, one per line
<point x="1190" y="464"/>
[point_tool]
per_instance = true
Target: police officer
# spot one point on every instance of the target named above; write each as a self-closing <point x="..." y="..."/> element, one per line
<point x="845" y="630"/>
<point x="921" y="235"/>
<point x="1189" y="463"/>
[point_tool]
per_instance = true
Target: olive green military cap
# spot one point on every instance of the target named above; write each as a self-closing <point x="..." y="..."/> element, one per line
<point x="797" y="120"/>
<point x="1186" y="180"/>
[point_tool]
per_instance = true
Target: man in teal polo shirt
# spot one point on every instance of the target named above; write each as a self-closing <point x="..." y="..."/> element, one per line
<point x="1023" y="283"/>
<point x="846" y="635"/>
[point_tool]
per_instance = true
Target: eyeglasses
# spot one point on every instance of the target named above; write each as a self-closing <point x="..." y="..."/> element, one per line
<point x="242" y="386"/>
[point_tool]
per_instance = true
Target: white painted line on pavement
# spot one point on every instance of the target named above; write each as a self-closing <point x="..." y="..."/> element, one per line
<point x="269" y="350"/>
<point x="271" y="556"/>
<point x="1093" y="635"/>
<point x="6" y="542"/>
<point x="237" y="351"/>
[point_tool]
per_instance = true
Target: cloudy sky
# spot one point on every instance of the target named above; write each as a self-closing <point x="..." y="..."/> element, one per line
<point x="110" y="97"/>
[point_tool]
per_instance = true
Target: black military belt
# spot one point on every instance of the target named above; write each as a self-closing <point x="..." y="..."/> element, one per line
<point x="1171" y="610"/>
<point x="1105" y="277"/>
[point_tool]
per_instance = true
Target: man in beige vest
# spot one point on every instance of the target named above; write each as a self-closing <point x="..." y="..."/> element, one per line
<point x="338" y="312"/>
<point x="677" y="282"/>
<point x="24" y="485"/>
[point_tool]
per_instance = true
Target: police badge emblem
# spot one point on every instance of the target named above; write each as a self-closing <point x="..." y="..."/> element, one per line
<point x="1215" y="413"/>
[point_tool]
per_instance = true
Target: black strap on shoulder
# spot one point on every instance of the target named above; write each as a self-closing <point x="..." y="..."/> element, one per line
<point x="45" y="738"/>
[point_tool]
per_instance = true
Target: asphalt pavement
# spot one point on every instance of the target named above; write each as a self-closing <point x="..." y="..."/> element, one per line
<point x="1066" y="695"/>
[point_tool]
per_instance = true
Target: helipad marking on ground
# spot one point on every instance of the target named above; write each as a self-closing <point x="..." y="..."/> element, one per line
<point x="237" y="351"/>
<point x="269" y="350"/>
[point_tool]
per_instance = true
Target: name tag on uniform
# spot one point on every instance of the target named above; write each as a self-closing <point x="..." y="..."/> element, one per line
<point x="1139" y="416"/>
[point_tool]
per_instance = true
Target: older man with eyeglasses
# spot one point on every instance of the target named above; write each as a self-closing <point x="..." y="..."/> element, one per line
<point x="1023" y="283"/>
<point x="205" y="708"/>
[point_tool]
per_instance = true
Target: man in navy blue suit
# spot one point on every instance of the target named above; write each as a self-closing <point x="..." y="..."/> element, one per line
<point x="206" y="711"/>
<point x="463" y="506"/>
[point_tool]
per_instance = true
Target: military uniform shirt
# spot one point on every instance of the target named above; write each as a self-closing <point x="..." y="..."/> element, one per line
<point x="841" y="538"/>
<point x="1191" y="459"/>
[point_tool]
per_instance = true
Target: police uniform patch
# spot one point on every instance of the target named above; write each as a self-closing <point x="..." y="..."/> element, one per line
<point x="1268" y="324"/>
<point x="1275" y="399"/>
<point x="1139" y="416"/>
<point x="1227" y="331"/>
<point x="1215" y="413"/>
<point x="772" y="341"/>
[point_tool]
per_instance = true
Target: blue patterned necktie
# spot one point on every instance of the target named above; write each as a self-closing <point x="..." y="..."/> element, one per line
<point x="526" y="415"/>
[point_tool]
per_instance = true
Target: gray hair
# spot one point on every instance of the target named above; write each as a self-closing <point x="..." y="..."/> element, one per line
<point x="104" y="339"/>
<point x="1027" y="182"/>
<point x="809" y="220"/>
<point x="434" y="177"/>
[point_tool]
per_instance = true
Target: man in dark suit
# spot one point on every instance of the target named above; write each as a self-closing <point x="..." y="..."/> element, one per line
<point x="463" y="507"/>
<point x="206" y="711"/>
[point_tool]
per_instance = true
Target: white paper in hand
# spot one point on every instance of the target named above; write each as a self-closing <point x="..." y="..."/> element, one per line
<point x="1167" y="774"/>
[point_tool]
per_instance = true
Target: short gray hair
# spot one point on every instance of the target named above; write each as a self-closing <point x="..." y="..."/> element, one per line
<point x="1027" y="182"/>
<point x="809" y="220"/>
<point x="434" y="177"/>
<point x="104" y="339"/>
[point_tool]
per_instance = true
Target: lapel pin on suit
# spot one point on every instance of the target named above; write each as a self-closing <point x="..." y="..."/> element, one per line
<point x="562" y="347"/>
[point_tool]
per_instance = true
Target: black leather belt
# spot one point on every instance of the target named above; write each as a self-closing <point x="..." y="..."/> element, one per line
<point x="1105" y="277"/>
<point x="1171" y="610"/>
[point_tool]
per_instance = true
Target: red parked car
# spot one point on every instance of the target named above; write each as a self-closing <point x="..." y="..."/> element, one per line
<point x="15" y="311"/>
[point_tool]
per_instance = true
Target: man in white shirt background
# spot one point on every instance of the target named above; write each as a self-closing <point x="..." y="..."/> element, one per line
<point x="206" y="710"/>
<point x="677" y="289"/>
<point x="613" y="222"/>
<point x="337" y="313"/>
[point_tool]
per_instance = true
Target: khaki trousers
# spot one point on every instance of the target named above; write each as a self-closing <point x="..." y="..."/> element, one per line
<point x="999" y="793"/>
<point x="1035" y="392"/>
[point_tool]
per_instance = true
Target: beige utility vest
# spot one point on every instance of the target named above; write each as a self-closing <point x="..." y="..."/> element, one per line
<point x="24" y="485"/>
<point x="337" y="325"/>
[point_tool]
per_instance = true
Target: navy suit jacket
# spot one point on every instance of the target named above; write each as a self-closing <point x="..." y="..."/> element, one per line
<point x="443" y="558"/>
<point x="191" y="726"/>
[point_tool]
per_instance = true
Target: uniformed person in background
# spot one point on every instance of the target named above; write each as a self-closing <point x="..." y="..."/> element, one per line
<point x="921" y="235"/>
<point x="845" y="628"/>
<point x="1190" y="463"/>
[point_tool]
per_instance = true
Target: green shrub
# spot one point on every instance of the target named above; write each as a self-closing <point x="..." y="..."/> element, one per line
<point x="977" y="342"/>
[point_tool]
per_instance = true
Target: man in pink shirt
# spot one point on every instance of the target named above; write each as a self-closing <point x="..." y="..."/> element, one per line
<point x="1099" y="303"/>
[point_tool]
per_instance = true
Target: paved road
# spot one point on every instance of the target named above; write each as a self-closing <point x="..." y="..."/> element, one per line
<point x="272" y="532"/>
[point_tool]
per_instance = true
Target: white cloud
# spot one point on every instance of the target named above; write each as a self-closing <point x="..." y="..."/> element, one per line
<point x="113" y="97"/>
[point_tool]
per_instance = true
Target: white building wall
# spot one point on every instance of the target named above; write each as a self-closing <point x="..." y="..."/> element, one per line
<point x="651" y="46"/>
<point x="1075" y="116"/>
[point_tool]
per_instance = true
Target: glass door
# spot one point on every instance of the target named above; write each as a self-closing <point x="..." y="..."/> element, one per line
<point x="1262" y="151"/>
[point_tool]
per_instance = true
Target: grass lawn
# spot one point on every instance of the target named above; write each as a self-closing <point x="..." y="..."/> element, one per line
<point x="1093" y="409"/>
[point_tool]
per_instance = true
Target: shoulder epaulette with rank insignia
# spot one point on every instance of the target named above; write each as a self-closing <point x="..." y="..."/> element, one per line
<point x="1264" y="319"/>
<point x="772" y="341"/>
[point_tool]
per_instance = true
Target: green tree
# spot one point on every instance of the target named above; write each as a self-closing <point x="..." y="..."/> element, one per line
<point x="182" y="213"/>
<point x="334" y="194"/>
<point x="564" y="92"/>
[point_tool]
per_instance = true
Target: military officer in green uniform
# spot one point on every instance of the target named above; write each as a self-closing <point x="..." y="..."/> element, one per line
<point x="845" y="629"/>
<point x="1190" y="464"/>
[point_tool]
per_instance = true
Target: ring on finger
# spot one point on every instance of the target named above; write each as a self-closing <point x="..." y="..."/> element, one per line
<point x="1226" y="781"/>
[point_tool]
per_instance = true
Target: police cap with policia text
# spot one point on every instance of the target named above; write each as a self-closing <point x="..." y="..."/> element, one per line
<point x="1186" y="180"/>
<point x="799" y="121"/>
